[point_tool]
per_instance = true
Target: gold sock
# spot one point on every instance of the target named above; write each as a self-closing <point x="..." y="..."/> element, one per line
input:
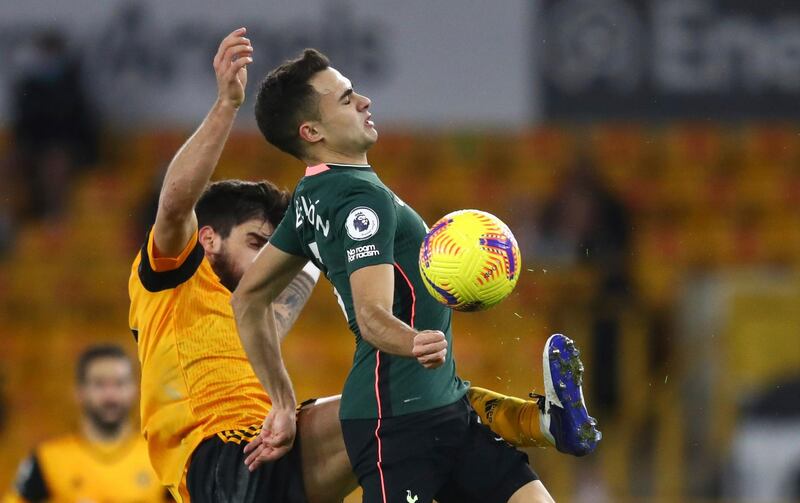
<point x="514" y="419"/>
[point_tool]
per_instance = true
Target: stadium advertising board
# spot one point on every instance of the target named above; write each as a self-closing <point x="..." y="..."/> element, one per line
<point x="670" y="58"/>
<point x="423" y="63"/>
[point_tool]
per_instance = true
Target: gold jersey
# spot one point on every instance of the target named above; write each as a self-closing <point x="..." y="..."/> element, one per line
<point x="196" y="379"/>
<point x="71" y="469"/>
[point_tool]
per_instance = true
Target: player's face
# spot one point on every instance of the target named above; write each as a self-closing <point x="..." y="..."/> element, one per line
<point x="345" y="121"/>
<point x="107" y="393"/>
<point x="239" y="249"/>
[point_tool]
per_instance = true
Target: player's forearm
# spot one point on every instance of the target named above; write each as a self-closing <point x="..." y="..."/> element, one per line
<point x="290" y="302"/>
<point x="192" y="167"/>
<point x="383" y="330"/>
<point x="260" y="338"/>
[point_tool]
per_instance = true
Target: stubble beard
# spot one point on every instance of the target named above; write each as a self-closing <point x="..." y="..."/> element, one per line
<point x="109" y="428"/>
<point x="224" y="269"/>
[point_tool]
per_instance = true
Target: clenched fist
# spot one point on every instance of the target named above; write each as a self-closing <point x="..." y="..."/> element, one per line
<point x="430" y="348"/>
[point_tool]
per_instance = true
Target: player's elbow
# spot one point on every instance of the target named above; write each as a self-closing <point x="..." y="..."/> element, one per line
<point x="171" y="211"/>
<point x="249" y="298"/>
<point x="366" y="316"/>
<point x="241" y="302"/>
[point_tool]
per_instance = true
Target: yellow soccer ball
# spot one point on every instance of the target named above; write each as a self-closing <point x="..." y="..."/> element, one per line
<point x="470" y="260"/>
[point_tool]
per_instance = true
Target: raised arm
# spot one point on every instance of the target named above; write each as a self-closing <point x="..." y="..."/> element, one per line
<point x="373" y="292"/>
<point x="192" y="167"/>
<point x="252" y="302"/>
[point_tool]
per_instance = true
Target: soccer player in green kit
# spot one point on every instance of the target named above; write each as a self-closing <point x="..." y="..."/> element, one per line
<point x="410" y="432"/>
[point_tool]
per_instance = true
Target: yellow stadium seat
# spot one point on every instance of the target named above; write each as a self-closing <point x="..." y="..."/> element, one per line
<point x="771" y="144"/>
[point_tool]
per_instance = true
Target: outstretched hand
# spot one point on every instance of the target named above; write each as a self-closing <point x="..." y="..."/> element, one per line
<point x="230" y="66"/>
<point x="275" y="440"/>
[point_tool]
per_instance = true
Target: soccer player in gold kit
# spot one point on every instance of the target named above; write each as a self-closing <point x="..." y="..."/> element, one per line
<point x="201" y="400"/>
<point x="106" y="460"/>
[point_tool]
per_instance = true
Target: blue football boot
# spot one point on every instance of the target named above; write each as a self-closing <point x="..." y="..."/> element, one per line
<point x="564" y="419"/>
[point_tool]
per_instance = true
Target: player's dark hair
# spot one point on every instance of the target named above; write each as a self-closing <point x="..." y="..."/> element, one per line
<point x="97" y="352"/>
<point x="228" y="203"/>
<point x="285" y="99"/>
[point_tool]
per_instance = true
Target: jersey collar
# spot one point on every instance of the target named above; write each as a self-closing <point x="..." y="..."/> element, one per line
<point x="321" y="168"/>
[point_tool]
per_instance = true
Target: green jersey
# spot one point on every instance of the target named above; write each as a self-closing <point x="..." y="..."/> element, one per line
<point x="344" y="218"/>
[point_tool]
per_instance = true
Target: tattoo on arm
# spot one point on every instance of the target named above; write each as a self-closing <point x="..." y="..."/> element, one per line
<point x="290" y="302"/>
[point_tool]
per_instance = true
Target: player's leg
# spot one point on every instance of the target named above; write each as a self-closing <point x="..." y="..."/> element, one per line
<point x="532" y="492"/>
<point x="558" y="418"/>
<point x="317" y="470"/>
<point x="406" y="458"/>
<point x="514" y="419"/>
<point x="327" y="475"/>
<point x="217" y="473"/>
<point x="486" y="469"/>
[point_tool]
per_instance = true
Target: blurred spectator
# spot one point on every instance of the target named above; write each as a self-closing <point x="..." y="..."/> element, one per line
<point x="52" y="124"/>
<point x="7" y="206"/>
<point x="107" y="459"/>
<point x="3" y="403"/>
<point x="583" y="223"/>
<point x="6" y="220"/>
<point x="147" y="208"/>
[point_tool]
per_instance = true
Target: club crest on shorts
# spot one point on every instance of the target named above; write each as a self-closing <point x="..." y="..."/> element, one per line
<point x="362" y="223"/>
